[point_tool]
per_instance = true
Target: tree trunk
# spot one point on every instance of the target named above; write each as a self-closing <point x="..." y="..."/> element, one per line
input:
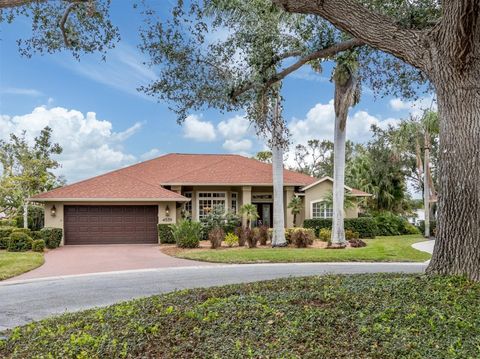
<point x="25" y="214"/>
<point x="278" y="238"/>
<point x="426" y="186"/>
<point x="338" y="230"/>
<point x="457" y="247"/>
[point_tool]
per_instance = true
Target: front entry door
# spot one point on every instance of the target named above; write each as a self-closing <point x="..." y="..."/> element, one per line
<point x="265" y="215"/>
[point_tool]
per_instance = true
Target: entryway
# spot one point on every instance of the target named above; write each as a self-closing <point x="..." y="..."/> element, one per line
<point x="265" y="213"/>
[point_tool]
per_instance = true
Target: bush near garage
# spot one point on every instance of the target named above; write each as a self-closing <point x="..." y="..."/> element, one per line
<point x="165" y="234"/>
<point x="35" y="219"/>
<point x="52" y="237"/>
<point x="38" y="245"/>
<point x="36" y="235"/>
<point x="187" y="233"/>
<point x="365" y="226"/>
<point x="19" y="242"/>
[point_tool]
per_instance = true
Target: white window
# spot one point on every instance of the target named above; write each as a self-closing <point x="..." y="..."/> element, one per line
<point x="207" y="201"/>
<point x="234" y="202"/>
<point x="187" y="206"/>
<point x="322" y="209"/>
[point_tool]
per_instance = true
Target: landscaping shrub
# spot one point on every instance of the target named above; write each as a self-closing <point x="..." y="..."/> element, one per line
<point x="6" y="231"/>
<point x="231" y="239"/>
<point x="27" y="231"/>
<point x="365" y="226"/>
<point x="4" y="222"/>
<point x="165" y="235"/>
<point x="217" y="217"/>
<point x="38" y="245"/>
<point x="325" y="234"/>
<point x="187" y="234"/>
<point x="389" y="224"/>
<point x="4" y="242"/>
<point x="357" y="243"/>
<point x="262" y="233"/>
<point x="302" y="237"/>
<point x="251" y="237"/>
<point x="243" y="233"/>
<point x="215" y="237"/>
<point x="52" y="237"/>
<point x="349" y="234"/>
<point x="36" y="235"/>
<point x="288" y="234"/>
<point x="19" y="242"/>
<point x="411" y="229"/>
<point x="36" y="217"/>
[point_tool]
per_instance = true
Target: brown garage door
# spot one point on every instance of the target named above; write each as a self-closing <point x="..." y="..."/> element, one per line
<point x="110" y="224"/>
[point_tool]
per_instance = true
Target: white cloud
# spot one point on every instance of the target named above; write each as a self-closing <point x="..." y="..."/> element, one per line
<point x="319" y="124"/>
<point x="154" y="152"/>
<point x="240" y="146"/>
<point x="90" y="146"/>
<point x="234" y="128"/>
<point x="416" y="108"/>
<point x="21" y="91"/>
<point x="198" y="130"/>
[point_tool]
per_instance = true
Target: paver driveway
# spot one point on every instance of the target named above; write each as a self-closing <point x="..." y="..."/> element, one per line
<point x="71" y="260"/>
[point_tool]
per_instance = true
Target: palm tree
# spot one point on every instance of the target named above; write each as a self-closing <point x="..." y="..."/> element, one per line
<point x="249" y="211"/>
<point x="347" y="93"/>
<point x="296" y="205"/>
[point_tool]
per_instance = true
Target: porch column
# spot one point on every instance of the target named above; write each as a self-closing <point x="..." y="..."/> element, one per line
<point x="289" y="193"/>
<point x="246" y="199"/>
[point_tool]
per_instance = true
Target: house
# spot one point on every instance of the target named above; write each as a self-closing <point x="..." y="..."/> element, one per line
<point x="124" y="206"/>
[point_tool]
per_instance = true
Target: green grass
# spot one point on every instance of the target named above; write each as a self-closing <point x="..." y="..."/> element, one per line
<point x="360" y="316"/>
<point x="380" y="249"/>
<point x="15" y="263"/>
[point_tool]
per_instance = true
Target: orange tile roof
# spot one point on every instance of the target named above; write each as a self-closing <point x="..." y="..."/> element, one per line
<point x="144" y="180"/>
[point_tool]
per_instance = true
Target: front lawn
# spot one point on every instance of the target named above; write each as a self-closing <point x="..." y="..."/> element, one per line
<point x="15" y="263"/>
<point x="380" y="249"/>
<point x="359" y="316"/>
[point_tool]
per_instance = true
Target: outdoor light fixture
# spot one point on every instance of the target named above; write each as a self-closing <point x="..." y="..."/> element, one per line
<point x="53" y="211"/>
<point x="167" y="211"/>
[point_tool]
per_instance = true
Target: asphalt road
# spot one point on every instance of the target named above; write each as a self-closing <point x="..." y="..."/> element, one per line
<point x="24" y="301"/>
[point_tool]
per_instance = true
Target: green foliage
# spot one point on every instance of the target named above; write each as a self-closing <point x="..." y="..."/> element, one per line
<point x="411" y="229"/>
<point x="365" y="226"/>
<point x="433" y="227"/>
<point x="52" y="236"/>
<point x="349" y="235"/>
<point x="218" y="218"/>
<point x="264" y="156"/>
<point x="389" y="224"/>
<point x="19" y="242"/>
<point x="231" y="239"/>
<point x="5" y="231"/>
<point x="4" y="222"/>
<point x="4" y="242"/>
<point x="392" y="315"/>
<point x="36" y="217"/>
<point x="250" y="212"/>
<point x="36" y="235"/>
<point x="38" y="245"/>
<point x="325" y="234"/>
<point x="296" y="206"/>
<point x="26" y="170"/>
<point x="215" y="236"/>
<point x="27" y="231"/>
<point x="165" y="234"/>
<point x="302" y="237"/>
<point x="187" y="234"/>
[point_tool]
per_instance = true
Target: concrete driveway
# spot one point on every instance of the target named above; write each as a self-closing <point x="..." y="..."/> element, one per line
<point x="24" y="301"/>
<point x="73" y="260"/>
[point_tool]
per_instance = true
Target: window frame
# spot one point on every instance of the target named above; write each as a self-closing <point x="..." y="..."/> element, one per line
<point x="323" y="209"/>
<point x="211" y="198"/>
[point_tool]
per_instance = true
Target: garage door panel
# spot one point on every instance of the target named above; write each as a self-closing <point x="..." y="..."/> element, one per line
<point x="110" y="224"/>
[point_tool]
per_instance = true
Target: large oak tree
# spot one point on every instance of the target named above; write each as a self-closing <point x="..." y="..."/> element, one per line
<point x="448" y="52"/>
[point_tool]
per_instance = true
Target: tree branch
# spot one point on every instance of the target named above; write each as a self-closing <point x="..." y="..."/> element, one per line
<point x="319" y="54"/>
<point x="373" y="28"/>
<point x="4" y="4"/>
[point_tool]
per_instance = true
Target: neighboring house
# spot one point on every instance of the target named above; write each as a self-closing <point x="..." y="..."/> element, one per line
<point x="124" y="206"/>
<point x="417" y="217"/>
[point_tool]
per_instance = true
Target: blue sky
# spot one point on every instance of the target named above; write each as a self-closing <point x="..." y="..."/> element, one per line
<point x="103" y="123"/>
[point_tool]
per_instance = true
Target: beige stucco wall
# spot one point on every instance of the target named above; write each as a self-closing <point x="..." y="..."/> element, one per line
<point x="319" y="193"/>
<point x="54" y="221"/>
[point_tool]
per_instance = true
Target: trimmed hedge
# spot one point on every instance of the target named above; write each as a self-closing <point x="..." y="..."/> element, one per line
<point x="38" y="245"/>
<point x="52" y="236"/>
<point x="27" y="231"/>
<point x="165" y="233"/>
<point x="19" y="242"/>
<point x="4" y="222"/>
<point x="4" y="242"/>
<point x="6" y="231"/>
<point x="365" y="226"/>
